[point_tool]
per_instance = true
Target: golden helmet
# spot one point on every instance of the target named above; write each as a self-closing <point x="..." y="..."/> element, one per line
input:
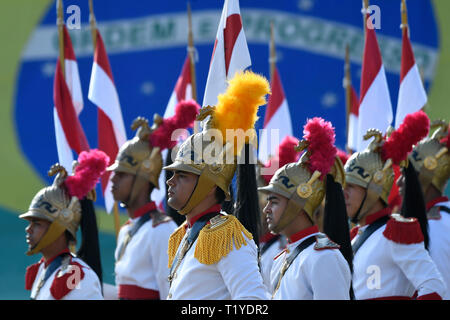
<point x="60" y="202"/>
<point x="141" y="156"/>
<point x="303" y="183"/>
<point x="431" y="157"/>
<point x="372" y="169"/>
<point x="136" y="157"/>
<point x="213" y="153"/>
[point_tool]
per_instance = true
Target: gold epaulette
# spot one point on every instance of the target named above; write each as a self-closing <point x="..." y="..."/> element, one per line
<point x="174" y="241"/>
<point x="216" y="239"/>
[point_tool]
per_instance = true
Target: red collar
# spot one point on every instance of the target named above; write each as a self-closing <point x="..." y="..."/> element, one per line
<point x="377" y="215"/>
<point x="47" y="263"/>
<point x="214" y="208"/>
<point x="149" y="207"/>
<point x="431" y="203"/>
<point x="303" y="233"/>
<point x="267" y="237"/>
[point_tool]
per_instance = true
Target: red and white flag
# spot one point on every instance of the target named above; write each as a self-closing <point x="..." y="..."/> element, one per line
<point x="68" y="103"/>
<point x="230" y="52"/>
<point x="111" y="129"/>
<point x="411" y="95"/>
<point x="375" y="109"/>
<point x="182" y="91"/>
<point x="353" y="133"/>
<point x="277" y="120"/>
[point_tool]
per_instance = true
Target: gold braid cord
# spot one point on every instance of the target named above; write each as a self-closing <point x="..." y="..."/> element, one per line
<point x="216" y="239"/>
<point x="174" y="242"/>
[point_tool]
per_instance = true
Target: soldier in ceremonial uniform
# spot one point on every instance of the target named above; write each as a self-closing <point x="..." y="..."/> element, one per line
<point x="390" y="259"/>
<point x="54" y="216"/>
<point x="312" y="265"/>
<point x="141" y="253"/>
<point x="270" y="244"/>
<point x="212" y="255"/>
<point x="431" y="159"/>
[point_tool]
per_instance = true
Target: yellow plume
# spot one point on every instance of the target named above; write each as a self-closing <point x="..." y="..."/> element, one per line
<point x="237" y="108"/>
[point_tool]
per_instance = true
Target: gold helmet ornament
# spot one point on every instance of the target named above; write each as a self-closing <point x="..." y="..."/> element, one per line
<point x="60" y="203"/>
<point x="431" y="157"/>
<point x="372" y="168"/>
<point x="141" y="156"/>
<point x="303" y="183"/>
<point x="212" y="154"/>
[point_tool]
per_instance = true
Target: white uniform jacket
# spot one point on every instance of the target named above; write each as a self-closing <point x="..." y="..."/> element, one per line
<point x="392" y="263"/>
<point x="439" y="246"/>
<point x="319" y="272"/>
<point x="141" y="272"/>
<point x="235" y="276"/>
<point x="71" y="280"/>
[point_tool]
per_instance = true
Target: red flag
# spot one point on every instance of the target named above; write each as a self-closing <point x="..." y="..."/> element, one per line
<point x="277" y="120"/>
<point x="375" y="109"/>
<point x="68" y="103"/>
<point x="353" y="133"/>
<point x="111" y="129"/>
<point x="411" y="96"/>
<point x="230" y="53"/>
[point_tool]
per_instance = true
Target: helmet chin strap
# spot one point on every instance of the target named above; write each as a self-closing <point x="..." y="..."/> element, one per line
<point x="55" y="230"/>
<point x="138" y="184"/>
<point x="356" y="218"/>
<point x="204" y="185"/>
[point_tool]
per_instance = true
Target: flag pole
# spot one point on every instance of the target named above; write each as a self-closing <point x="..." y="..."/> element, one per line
<point x="404" y="13"/>
<point x="273" y="54"/>
<point x="347" y="87"/>
<point x="364" y="12"/>
<point x="191" y="53"/>
<point x="93" y="24"/>
<point x="60" y="25"/>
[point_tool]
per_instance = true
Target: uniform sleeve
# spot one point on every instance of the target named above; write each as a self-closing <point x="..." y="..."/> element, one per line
<point x="240" y="272"/>
<point x="158" y="247"/>
<point x="330" y="276"/>
<point x="418" y="267"/>
<point x="88" y="289"/>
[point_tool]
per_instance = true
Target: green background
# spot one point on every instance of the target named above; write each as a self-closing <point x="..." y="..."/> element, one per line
<point x="19" y="183"/>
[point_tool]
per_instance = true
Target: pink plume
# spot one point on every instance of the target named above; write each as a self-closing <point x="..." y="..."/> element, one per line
<point x="185" y="113"/>
<point x="342" y="155"/>
<point x="320" y="136"/>
<point x="286" y="154"/>
<point x="92" y="164"/>
<point x="414" y="128"/>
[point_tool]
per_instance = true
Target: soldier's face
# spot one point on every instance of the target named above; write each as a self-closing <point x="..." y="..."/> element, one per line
<point x="181" y="186"/>
<point x="122" y="184"/>
<point x="35" y="231"/>
<point x="354" y="196"/>
<point x="276" y="204"/>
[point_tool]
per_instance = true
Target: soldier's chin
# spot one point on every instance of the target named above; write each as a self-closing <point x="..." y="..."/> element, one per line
<point x="173" y="203"/>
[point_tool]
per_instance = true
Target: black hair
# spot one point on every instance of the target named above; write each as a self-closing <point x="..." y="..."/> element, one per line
<point x="227" y="206"/>
<point x="247" y="204"/>
<point x="335" y="221"/>
<point x="89" y="250"/>
<point x="69" y="237"/>
<point x="413" y="205"/>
